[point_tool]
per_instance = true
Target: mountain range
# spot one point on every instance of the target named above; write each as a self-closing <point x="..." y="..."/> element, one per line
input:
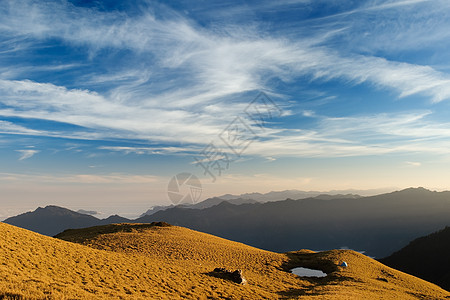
<point x="297" y="194"/>
<point x="210" y="202"/>
<point x="266" y="197"/>
<point x="378" y="225"/>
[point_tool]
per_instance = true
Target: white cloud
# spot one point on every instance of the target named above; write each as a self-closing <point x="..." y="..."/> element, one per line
<point x="358" y="136"/>
<point x="345" y="136"/>
<point x="219" y="63"/>
<point x="26" y="154"/>
<point x="83" y="178"/>
<point x="381" y="5"/>
<point x="413" y="163"/>
<point x="308" y="113"/>
<point x="193" y="79"/>
<point x="11" y="128"/>
<point x="147" y="150"/>
<point x="394" y="27"/>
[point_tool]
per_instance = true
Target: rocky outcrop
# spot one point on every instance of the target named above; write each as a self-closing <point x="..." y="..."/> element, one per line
<point x="235" y="276"/>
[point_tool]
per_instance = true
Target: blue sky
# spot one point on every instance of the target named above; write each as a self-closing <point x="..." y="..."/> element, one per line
<point x="102" y="102"/>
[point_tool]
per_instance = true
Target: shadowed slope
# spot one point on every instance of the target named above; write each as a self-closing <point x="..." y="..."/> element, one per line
<point x="426" y="257"/>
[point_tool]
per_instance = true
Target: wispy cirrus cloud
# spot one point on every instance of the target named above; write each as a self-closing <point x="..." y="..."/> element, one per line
<point x="380" y="27"/>
<point x="11" y="128"/>
<point x="26" y="154"/>
<point x="93" y="179"/>
<point x="151" y="150"/>
<point x="414" y="164"/>
<point x="193" y="78"/>
<point x="364" y="135"/>
<point x="221" y="62"/>
<point x="382" y="5"/>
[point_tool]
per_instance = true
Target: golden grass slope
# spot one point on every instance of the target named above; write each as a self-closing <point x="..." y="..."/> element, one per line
<point x="141" y="261"/>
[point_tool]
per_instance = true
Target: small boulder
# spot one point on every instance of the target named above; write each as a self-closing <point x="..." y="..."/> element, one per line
<point x="235" y="276"/>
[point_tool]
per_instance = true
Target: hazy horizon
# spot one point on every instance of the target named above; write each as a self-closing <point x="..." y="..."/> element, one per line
<point x="103" y="212"/>
<point x="102" y="103"/>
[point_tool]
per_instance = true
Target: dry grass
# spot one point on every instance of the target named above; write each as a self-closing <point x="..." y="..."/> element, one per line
<point x="141" y="261"/>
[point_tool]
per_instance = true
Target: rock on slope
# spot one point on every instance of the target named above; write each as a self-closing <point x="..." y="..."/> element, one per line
<point x="157" y="261"/>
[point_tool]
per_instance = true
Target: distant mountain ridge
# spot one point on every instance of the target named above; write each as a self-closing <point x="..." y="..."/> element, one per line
<point x="257" y="198"/>
<point x="297" y="194"/>
<point x="200" y="205"/>
<point x="378" y="224"/>
<point x="52" y="219"/>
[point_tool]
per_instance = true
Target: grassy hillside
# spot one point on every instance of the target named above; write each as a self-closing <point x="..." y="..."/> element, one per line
<point x="147" y="261"/>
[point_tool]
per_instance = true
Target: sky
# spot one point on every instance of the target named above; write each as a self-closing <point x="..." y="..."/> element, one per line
<point x="103" y="103"/>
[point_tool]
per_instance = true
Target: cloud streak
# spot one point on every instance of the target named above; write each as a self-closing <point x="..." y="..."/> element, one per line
<point x="26" y="154"/>
<point x="195" y="80"/>
<point x="221" y="62"/>
<point x="92" y="179"/>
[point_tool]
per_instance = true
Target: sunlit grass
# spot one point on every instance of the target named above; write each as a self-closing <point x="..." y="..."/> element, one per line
<point x="139" y="261"/>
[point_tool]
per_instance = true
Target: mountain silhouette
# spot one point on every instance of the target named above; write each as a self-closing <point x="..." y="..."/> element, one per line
<point x="426" y="257"/>
<point x="297" y="194"/>
<point x="52" y="219"/>
<point x="378" y="225"/>
<point x="210" y="202"/>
